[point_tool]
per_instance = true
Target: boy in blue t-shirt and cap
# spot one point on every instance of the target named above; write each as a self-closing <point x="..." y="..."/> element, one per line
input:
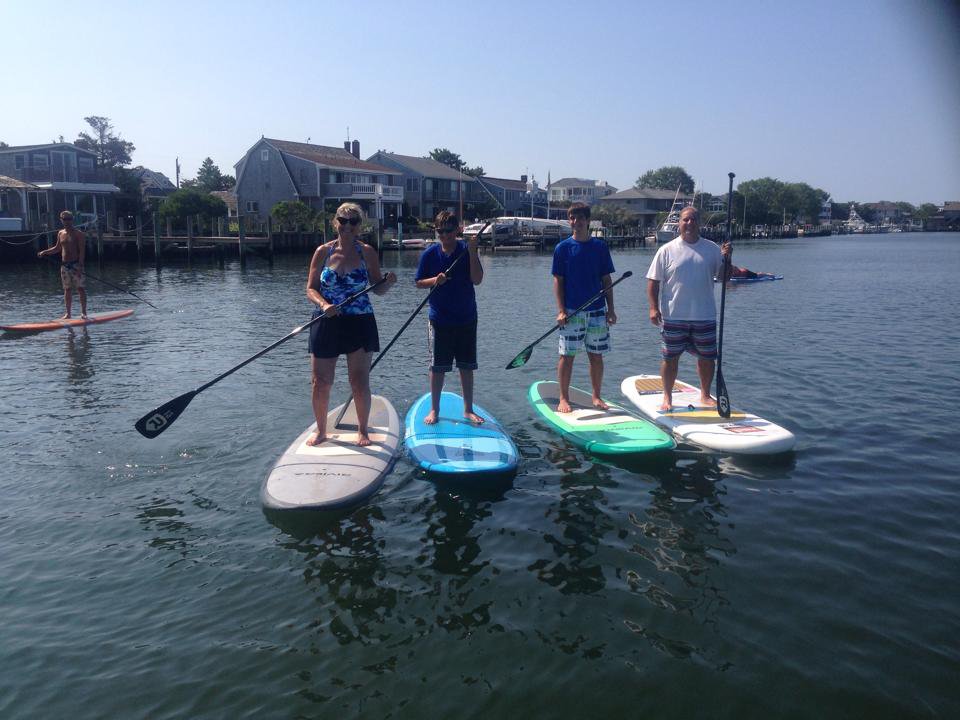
<point x="453" y="310"/>
<point x="581" y="269"/>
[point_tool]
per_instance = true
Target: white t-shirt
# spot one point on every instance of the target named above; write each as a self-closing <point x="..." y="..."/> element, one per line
<point x="685" y="272"/>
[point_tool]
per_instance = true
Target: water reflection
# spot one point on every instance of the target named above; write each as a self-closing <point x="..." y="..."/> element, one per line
<point x="679" y="545"/>
<point x="78" y="352"/>
<point x="581" y="522"/>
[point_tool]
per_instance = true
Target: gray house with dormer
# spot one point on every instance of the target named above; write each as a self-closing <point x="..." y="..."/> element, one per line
<point x="430" y="186"/>
<point x="320" y="176"/>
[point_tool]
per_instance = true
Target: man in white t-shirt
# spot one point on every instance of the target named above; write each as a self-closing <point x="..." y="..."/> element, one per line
<point x="680" y="291"/>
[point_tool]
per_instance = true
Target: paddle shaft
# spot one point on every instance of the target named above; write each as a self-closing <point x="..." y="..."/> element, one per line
<point x="723" y="398"/>
<point x="156" y="421"/>
<point x="556" y="327"/>
<point x="107" y="282"/>
<point x="407" y="323"/>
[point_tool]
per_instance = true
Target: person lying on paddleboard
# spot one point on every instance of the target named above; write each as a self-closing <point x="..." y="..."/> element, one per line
<point x="452" y="329"/>
<point x="680" y="292"/>
<point x="581" y="269"/>
<point x="72" y="246"/>
<point x="742" y="272"/>
<point x="339" y="269"/>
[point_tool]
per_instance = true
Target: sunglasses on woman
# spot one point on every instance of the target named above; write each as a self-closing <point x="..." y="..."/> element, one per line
<point x="446" y="228"/>
<point x="352" y="220"/>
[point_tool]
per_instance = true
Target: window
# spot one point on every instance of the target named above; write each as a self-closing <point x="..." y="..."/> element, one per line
<point x="85" y="163"/>
<point x="264" y="155"/>
<point x="413" y="184"/>
<point x="19" y="161"/>
<point x="253" y="206"/>
<point x="40" y="161"/>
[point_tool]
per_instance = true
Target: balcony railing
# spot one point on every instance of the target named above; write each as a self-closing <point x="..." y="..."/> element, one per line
<point x="44" y="175"/>
<point x="364" y="191"/>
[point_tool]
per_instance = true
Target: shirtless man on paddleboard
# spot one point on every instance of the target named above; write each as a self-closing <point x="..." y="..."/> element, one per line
<point x="72" y="246"/>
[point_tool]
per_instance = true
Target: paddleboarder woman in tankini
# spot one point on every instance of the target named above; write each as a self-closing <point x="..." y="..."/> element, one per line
<point x="453" y="311"/>
<point x="72" y="246"/>
<point x="339" y="269"/>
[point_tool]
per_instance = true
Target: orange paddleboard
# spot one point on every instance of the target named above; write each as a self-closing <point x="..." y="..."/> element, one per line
<point x="91" y="319"/>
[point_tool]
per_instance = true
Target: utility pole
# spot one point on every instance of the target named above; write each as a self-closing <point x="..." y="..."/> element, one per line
<point x="178" y="173"/>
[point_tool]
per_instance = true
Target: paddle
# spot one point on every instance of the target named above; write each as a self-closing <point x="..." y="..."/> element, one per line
<point x="723" y="398"/>
<point x="156" y="421"/>
<point x="521" y="359"/>
<point x="107" y="282"/>
<point x="409" y="320"/>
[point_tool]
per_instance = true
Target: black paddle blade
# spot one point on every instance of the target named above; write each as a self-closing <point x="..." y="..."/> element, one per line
<point x="521" y="359"/>
<point x="723" y="399"/>
<point x="156" y="421"/>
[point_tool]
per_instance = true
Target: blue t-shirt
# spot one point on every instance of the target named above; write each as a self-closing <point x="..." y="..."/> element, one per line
<point x="581" y="265"/>
<point x="455" y="301"/>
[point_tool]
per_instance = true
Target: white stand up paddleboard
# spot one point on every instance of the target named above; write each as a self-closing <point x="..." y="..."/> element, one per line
<point x="689" y="420"/>
<point x="337" y="473"/>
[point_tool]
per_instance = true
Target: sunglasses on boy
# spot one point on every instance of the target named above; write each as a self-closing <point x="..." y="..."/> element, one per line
<point x="351" y="220"/>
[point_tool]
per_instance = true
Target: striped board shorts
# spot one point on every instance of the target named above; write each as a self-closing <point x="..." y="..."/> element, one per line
<point x="698" y="338"/>
<point x="586" y="330"/>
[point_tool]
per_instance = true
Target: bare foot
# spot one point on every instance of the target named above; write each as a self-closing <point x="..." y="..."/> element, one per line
<point x="473" y="417"/>
<point x="666" y="405"/>
<point x="563" y="406"/>
<point x="65" y="316"/>
<point x="315" y="439"/>
<point x="599" y="404"/>
<point x="431" y="418"/>
<point x="363" y="439"/>
<point x="708" y="401"/>
<point x="83" y="315"/>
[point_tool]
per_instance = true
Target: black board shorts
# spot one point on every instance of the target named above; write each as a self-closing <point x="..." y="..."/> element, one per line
<point x="343" y="334"/>
<point x="453" y="342"/>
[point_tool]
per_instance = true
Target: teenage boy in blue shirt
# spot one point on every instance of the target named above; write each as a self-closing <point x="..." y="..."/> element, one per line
<point x="453" y="310"/>
<point x="581" y="269"/>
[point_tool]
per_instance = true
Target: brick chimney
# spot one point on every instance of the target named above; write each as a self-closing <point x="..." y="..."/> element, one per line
<point x="523" y="179"/>
<point x="356" y="149"/>
<point x="346" y="145"/>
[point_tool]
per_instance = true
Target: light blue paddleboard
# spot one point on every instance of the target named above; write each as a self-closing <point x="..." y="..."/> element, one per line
<point x="455" y="446"/>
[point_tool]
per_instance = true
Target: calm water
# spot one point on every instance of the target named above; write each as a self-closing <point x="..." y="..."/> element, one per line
<point x="141" y="579"/>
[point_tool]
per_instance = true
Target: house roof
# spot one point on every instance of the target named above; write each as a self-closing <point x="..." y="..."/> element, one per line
<point x="508" y="183"/>
<point x="9" y="182"/>
<point x="425" y="166"/>
<point x="44" y="146"/>
<point x="153" y="179"/>
<point x="645" y="194"/>
<point x="328" y="156"/>
<point x="573" y="182"/>
<point x="228" y="196"/>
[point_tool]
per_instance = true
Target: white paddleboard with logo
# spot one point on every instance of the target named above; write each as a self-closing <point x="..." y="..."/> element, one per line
<point x="689" y="420"/>
<point x="338" y="473"/>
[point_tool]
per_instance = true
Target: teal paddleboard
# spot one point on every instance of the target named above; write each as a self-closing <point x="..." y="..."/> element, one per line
<point x="453" y="445"/>
<point x="616" y="431"/>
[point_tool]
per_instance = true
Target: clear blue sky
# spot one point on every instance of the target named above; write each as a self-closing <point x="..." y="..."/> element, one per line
<point x="860" y="98"/>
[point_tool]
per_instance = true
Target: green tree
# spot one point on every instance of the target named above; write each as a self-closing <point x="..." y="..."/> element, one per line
<point x="3" y="144"/>
<point x="927" y="210"/>
<point x="868" y="214"/>
<point x="452" y="159"/>
<point x="187" y="202"/>
<point x="666" y="178"/>
<point x="612" y="215"/>
<point x="209" y="178"/>
<point x="294" y="214"/>
<point x="112" y="151"/>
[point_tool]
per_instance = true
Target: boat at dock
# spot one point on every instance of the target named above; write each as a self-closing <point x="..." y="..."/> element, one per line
<point x="510" y="230"/>
<point x="671" y="226"/>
